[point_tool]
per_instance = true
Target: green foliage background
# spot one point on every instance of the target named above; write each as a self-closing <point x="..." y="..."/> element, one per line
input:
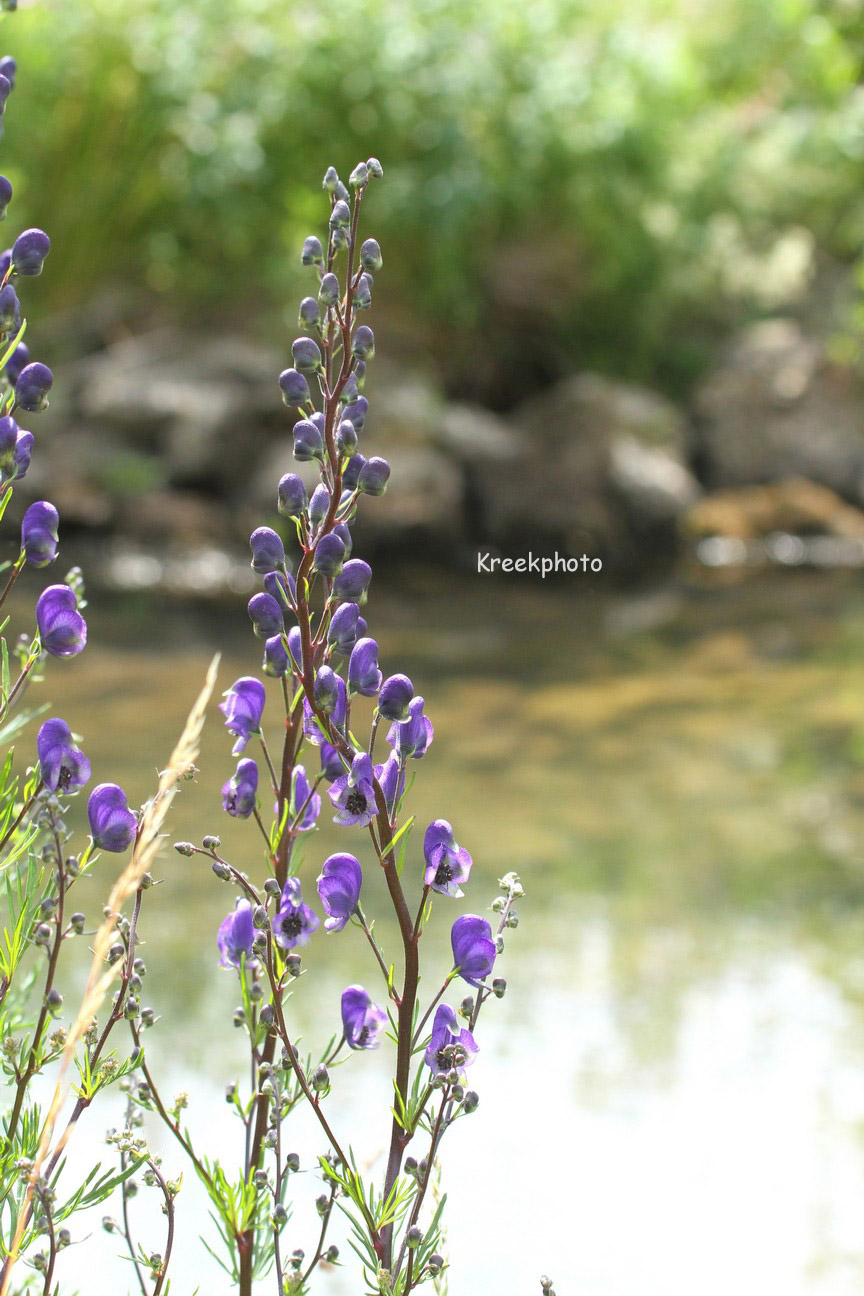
<point x="609" y="183"/>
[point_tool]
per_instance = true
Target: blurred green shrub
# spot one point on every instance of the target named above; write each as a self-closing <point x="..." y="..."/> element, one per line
<point x="570" y="182"/>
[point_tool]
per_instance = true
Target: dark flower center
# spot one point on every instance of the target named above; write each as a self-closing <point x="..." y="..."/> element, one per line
<point x="292" y="925"/>
<point x="356" y="803"/>
<point x="65" y="778"/>
<point x="442" y="1057"/>
<point x="362" y="1035"/>
<point x="444" y="873"/>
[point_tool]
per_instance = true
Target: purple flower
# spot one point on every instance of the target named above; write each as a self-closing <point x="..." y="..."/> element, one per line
<point x="266" y="615"/>
<point x="327" y="691"/>
<point x="307" y="355"/>
<point x="64" y="767"/>
<point x="328" y="290"/>
<point x="391" y="776"/>
<point x="5" y="90"/>
<point x="355" y="465"/>
<point x="294" y="921"/>
<point x="295" y="649"/>
<point x="374" y="476"/>
<point x="331" y="762"/>
<point x="8" y="66"/>
<point x="62" y="629"/>
<point x="411" y="737"/>
<point x="319" y="504"/>
<point x="353" y="581"/>
<point x="346" y="438"/>
<point x="394" y="698"/>
<point x="311" y="727"/>
<point x="16" y="362"/>
<point x="313" y="253"/>
<point x="268" y="551"/>
<point x="281" y="587"/>
<point x="15" y="450"/>
<point x="450" y="1049"/>
<point x="29" y="251"/>
<point x="10" y="310"/>
<point x="39" y="537"/>
<point x="291" y="497"/>
<point x="295" y="388"/>
<point x="308" y="442"/>
<point x="329" y="552"/>
<point x="238" y="794"/>
<point x="242" y="709"/>
<point x="474" y="950"/>
<point x="447" y="864"/>
<point x="370" y="256"/>
<point x="236" y="934"/>
<point x="276" y="662"/>
<point x="353" y="794"/>
<point x="362" y="1021"/>
<point x="339" y="889"/>
<point x="300" y="797"/>
<point x="364" y="677"/>
<point x="32" y="387"/>
<point x="112" y="824"/>
<point x="357" y="412"/>
<point x="363" y="345"/>
<point x="342" y="630"/>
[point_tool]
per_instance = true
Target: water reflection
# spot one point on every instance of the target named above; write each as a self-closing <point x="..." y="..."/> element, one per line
<point x="673" y="1090"/>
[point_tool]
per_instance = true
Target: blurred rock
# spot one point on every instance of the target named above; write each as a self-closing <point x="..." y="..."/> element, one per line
<point x="776" y="407"/>
<point x="795" y="506"/>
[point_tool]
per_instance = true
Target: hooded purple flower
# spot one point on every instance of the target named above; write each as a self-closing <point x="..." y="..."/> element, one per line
<point x="64" y="766"/>
<point x="295" y="388"/>
<point x="300" y="790"/>
<point x="242" y="709"/>
<point x="343" y="630"/>
<point x="236" y="934"/>
<point x="449" y="1048"/>
<point x="238" y="794"/>
<point x="374" y="476"/>
<point x="474" y="950"/>
<point x="308" y="442"/>
<point x="391" y="776"/>
<point x="364" y="677"/>
<point x="32" y="387"/>
<point x="281" y="587"/>
<point x="447" y="864"/>
<point x="339" y="889"/>
<point x="311" y="728"/>
<point x="395" y="697"/>
<point x="15" y="450"/>
<point x="39" y="537"/>
<point x="265" y="615"/>
<point x="16" y="362"/>
<point x="112" y="824"/>
<point x="355" y="465"/>
<point x="62" y="629"/>
<point x="362" y="1021"/>
<point x="29" y="251"/>
<point x="268" y="551"/>
<point x="291" y="496"/>
<point x="275" y="662"/>
<point x="353" y="581"/>
<point x="411" y="737"/>
<point x="353" y="794"/>
<point x="329" y="553"/>
<point x="294" y="922"/>
<point x="331" y="762"/>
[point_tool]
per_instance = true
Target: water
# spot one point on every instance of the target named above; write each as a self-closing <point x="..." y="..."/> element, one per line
<point x="672" y="1091"/>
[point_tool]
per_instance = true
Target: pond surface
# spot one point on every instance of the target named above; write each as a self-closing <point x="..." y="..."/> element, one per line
<point x="672" y="1091"/>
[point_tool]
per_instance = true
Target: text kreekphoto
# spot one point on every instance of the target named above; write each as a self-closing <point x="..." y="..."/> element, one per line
<point x="535" y="564"/>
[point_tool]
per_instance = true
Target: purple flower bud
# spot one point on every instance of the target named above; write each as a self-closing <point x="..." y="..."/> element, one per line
<point x="242" y="709"/>
<point x="307" y="355"/>
<point x="353" y="581"/>
<point x="359" y="176"/>
<point x="39" y="537"/>
<point x="112" y="824"/>
<point x="319" y="504"/>
<point x="280" y="586"/>
<point x="363" y="295"/>
<point x="313" y="253"/>
<point x="308" y="442"/>
<point x="474" y="950"/>
<point x="9" y="69"/>
<point x="357" y="412"/>
<point x="16" y="362"/>
<point x="294" y="922"/>
<point x="295" y="388"/>
<point x="329" y="292"/>
<point x="295" y="648"/>
<point x="310" y="315"/>
<point x="62" y="629"/>
<point x="5" y="91"/>
<point x="327" y="689"/>
<point x="239" y="793"/>
<point x="331" y="180"/>
<point x="268" y="551"/>
<point x="396" y="693"/>
<point x="276" y="662"/>
<point x="339" y="889"/>
<point x="266" y="615"/>
<point x="236" y="934"/>
<point x="342" y="630"/>
<point x="15" y="450"/>
<point x="10" y="310"/>
<point x="353" y="794"/>
<point x="291" y="496"/>
<point x="447" y="864"/>
<point x="303" y="799"/>
<point x="375" y="168"/>
<point x="391" y="776"/>
<point x="329" y="553"/>
<point x="5" y="191"/>
<point x="29" y="251"/>
<point x="411" y="737"/>
<point x="32" y="387"/>
<point x="352" y="470"/>
<point x="340" y="215"/>
<point x="362" y="1020"/>
<point x="62" y="765"/>
<point x="364" y="677"/>
<point x="331" y="762"/>
<point x="350" y="390"/>
<point x="337" y="711"/>
<point x="450" y="1048"/>
<point x="374" y="476"/>
<point x="5" y="257"/>
<point x="342" y="531"/>
<point x="346" y="438"/>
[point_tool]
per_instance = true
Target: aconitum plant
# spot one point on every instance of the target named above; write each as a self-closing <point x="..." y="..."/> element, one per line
<point x="351" y="741"/>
